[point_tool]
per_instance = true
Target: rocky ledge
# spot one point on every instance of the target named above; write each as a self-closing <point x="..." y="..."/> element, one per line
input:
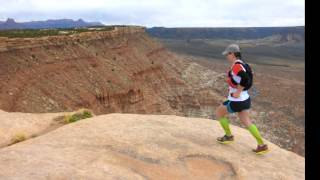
<point x="130" y="146"/>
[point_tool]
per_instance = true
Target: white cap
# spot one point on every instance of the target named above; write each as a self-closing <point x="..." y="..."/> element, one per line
<point x="232" y="48"/>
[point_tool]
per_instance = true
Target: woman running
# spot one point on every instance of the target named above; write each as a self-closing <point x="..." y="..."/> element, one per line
<point x="239" y="81"/>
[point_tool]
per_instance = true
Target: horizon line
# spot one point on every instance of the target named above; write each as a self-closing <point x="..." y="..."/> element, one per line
<point x="156" y="26"/>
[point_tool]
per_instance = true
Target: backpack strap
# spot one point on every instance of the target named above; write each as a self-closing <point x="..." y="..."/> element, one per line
<point x="242" y="65"/>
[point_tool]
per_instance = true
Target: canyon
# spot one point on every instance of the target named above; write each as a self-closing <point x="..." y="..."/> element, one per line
<point x="122" y="70"/>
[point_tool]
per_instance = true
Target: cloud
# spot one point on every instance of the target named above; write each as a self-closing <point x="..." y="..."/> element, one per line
<point x="170" y="13"/>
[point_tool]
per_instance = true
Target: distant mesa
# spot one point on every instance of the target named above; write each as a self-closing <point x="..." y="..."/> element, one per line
<point x="10" y="20"/>
<point x="10" y="23"/>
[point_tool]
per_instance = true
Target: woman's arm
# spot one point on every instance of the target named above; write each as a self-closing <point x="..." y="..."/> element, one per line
<point x="243" y="82"/>
<point x="238" y="92"/>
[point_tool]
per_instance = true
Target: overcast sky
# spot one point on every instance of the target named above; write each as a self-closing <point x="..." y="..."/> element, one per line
<point x="169" y="13"/>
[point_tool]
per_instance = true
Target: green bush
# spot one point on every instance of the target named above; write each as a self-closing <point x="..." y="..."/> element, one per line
<point x="84" y="114"/>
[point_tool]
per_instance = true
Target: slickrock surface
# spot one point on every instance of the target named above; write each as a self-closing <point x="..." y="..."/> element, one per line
<point x="25" y="124"/>
<point x="130" y="146"/>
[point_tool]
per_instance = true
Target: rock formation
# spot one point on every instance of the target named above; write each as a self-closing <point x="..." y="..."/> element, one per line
<point x="123" y="70"/>
<point x="131" y="146"/>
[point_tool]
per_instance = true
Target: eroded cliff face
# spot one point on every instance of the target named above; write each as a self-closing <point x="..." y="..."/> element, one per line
<point x="123" y="70"/>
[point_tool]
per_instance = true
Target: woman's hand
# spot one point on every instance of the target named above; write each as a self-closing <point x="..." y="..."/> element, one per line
<point x="236" y="94"/>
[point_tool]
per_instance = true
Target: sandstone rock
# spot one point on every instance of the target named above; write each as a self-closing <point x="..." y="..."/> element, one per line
<point x="24" y="124"/>
<point x="130" y="146"/>
<point x="132" y="74"/>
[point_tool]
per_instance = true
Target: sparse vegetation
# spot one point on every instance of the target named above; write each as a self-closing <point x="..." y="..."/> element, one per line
<point x="79" y="115"/>
<point x="18" y="138"/>
<point x="31" y="33"/>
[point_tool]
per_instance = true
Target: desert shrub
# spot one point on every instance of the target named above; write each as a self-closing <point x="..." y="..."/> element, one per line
<point x="81" y="114"/>
<point x="32" y="33"/>
<point x="18" y="138"/>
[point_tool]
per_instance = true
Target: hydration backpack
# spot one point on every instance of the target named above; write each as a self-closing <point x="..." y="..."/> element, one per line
<point x="249" y="73"/>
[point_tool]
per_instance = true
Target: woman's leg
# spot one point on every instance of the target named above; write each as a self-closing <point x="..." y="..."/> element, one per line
<point x="221" y="113"/>
<point x="245" y="119"/>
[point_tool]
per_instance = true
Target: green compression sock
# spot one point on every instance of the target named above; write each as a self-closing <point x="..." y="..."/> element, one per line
<point x="225" y="125"/>
<point x="255" y="133"/>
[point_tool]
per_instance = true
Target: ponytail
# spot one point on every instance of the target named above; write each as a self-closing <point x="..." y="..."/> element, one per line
<point x="238" y="55"/>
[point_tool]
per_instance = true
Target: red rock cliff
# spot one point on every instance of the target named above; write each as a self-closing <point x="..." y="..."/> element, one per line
<point x="123" y="70"/>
